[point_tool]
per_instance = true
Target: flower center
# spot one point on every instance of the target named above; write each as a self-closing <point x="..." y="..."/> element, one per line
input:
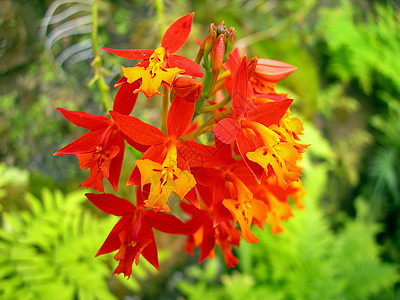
<point x="156" y="60"/>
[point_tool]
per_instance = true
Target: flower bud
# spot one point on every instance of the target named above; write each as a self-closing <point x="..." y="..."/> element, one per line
<point x="218" y="53"/>
<point x="230" y="42"/>
<point x="188" y="88"/>
<point x="273" y="70"/>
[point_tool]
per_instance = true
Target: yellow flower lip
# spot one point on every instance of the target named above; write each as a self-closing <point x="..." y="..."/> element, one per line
<point x="156" y="60"/>
<point x="153" y="75"/>
<point x="164" y="179"/>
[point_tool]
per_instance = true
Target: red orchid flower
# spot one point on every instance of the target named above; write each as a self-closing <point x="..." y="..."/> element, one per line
<point x="248" y="126"/>
<point x="133" y="234"/>
<point x="232" y="198"/>
<point x="161" y="66"/>
<point x="166" y="164"/>
<point x="206" y="234"/>
<point x="102" y="148"/>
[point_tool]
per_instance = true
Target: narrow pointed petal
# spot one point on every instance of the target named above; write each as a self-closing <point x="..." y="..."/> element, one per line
<point x="134" y="178"/>
<point x="221" y="213"/>
<point x="233" y="60"/>
<point x="166" y="223"/>
<point x="155" y="153"/>
<point x="116" y="163"/>
<point x="113" y="241"/>
<point x="208" y="176"/>
<point x="198" y="155"/>
<point x="84" y="144"/>
<point x="179" y="117"/>
<point x="137" y="146"/>
<point x="134" y="54"/>
<point x="111" y="204"/>
<point x="137" y="130"/>
<point x="247" y="144"/>
<point x="208" y="241"/>
<point x="227" y="130"/>
<point x="191" y="196"/>
<point x="150" y="253"/>
<point x="239" y="89"/>
<point x="84" y="119"/>
<point x="270" y="113"/>
<point x="177" y="34"/>
<point x="125" y="99"/>
<point x="191" y="68"/>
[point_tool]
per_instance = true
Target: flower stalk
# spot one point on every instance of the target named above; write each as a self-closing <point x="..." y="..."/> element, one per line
<point x="97" y="62"/>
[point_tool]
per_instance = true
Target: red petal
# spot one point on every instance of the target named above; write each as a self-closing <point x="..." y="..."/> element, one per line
<point x="155" y="153"/>
<point x="198" y="155"/>
<point x="208" y="241"/>
<point x="125" y="99"/>
<point x="270" y="113"/>
<point x="222" y="149"/>
<point x="208" y="176"/>
<point x="221" y="213"/>
<point x="233" y="60"/>
<point x="180" y="116"/>
<point x="113" y="241"/>
<point x="137" y="146"/>
<point x="121" y="81"/>
<point x="134" y="178"/>
<point x="176" y="35"/>
<point x="150" y="254"/>
<point x="111" y="204"/>
<point x="191" y="68"/>
<point x="84" y="144"/>
<point x="226" y="130"/>
<point x="166" y="223"/>
<point x="116" y="163"/>
<point x="137" y="130"/>
<point x="84" y="119"/>
<point x="273" y="70"/>
<point x="239" y="89"/>
<point x="191" y="196"/>
<point x="150" y="251"/>
<point x="247" y="144"/>
<point x="134" y="54"/>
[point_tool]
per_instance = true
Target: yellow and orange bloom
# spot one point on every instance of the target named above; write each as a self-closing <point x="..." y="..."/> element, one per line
<point x="160" y="66"/>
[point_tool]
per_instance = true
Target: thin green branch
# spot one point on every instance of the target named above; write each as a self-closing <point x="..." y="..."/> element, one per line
<point x="159" y="4"/>
<point x="97" y="63"/>
<point x="210" y="108"/>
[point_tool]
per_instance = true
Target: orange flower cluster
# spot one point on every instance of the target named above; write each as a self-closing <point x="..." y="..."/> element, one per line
<point x="243" y="176"/>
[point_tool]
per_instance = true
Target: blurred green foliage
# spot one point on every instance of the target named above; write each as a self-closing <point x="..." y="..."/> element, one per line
<point x="48" y="248"/>
<point x="345" y="245"/>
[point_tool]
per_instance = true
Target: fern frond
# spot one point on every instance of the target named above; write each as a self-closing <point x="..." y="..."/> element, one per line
<point x="50" y="250"/>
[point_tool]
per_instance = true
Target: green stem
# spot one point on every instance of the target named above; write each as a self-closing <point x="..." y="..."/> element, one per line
<point x="199" y="131"/>
<point x="164" y="109"/>
<point x="205" y="94"/>
<point x="159" y="4"/>
<point x="96" y="64"/>
<point x="207" y="126"/>
<point x="215" y="106"/>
